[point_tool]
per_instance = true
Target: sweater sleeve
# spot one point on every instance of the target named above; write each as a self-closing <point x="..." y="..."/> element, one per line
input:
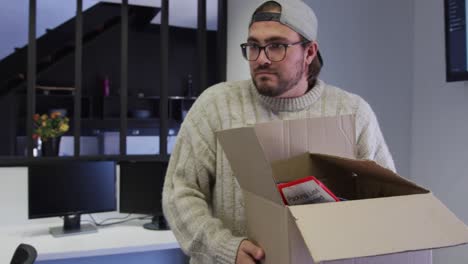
<point x="370" y="141"/>
<point x="187" y="193"/>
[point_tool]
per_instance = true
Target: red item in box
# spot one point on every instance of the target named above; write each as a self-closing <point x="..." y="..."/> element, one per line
<point x="305" y="190"/>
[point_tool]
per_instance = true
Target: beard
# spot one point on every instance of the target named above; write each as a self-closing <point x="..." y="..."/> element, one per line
<point x="265" y="86"/>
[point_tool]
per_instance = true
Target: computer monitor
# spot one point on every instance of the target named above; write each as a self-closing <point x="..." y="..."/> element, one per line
<point x="141" y="184"/>
<point x="69" y="189"/>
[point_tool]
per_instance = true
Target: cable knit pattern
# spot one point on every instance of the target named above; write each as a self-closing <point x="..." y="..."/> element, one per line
<point x="202" y="200"/>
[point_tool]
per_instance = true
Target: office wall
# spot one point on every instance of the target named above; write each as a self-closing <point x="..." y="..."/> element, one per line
<point x="439" y="157"/>
<point x="366" y="51"/>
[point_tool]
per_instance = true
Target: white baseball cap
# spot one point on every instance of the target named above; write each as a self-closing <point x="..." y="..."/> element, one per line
<point x="294" y="14"/>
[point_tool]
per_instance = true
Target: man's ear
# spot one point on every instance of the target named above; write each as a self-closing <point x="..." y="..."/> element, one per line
<point x="311" y="52"/>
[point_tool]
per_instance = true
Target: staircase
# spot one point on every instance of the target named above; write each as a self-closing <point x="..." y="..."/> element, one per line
<point x="59" y="43"/>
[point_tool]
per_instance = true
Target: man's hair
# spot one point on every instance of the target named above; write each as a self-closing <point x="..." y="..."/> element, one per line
<point x="268" y="7"/>
<point x="315" y="67"/>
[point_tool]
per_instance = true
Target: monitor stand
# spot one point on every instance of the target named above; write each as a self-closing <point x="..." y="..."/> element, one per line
<point x="72" y="226"/>
<point x="157" y="223"/>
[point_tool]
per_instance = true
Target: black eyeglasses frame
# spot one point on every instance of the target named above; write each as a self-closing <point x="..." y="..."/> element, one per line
<point x="264" y="48"/>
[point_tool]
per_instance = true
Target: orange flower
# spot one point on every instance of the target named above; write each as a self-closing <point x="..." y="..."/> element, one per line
<point x="55" y="115"/>
<point x="36" y="117"/>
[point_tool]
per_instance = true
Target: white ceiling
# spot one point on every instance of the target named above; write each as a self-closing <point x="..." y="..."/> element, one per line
<point x="182" y="13"/>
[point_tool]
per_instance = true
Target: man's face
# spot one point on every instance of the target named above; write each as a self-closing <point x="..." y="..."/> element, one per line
<point x="286" y="78"/>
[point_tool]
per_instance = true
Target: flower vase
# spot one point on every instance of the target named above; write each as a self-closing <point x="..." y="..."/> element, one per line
<point x="50" y="147"/>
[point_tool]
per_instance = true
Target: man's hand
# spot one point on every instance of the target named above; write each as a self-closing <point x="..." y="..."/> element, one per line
<point x="249" y="253"/>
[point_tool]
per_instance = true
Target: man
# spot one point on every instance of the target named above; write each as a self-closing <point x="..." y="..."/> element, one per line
<point x="202" y="199"/>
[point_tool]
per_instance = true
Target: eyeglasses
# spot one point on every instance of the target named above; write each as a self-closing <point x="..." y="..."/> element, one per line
<point x="273" y="51"/>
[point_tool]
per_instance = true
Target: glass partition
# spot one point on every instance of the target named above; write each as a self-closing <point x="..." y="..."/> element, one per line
<point x="93" y="69"/>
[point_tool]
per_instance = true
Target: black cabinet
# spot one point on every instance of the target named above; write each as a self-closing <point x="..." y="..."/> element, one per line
<point x="100" y="123"/>
<point x="102" y="108"/>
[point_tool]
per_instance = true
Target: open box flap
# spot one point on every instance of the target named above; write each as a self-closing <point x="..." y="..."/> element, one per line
<point x="249" y="163"/>
<point x="329" y="135"/>
<point x="350" y="179"/>
<point x="250" y="150"/>
<point x="267" y="224"/>
<point x="352" y="229"/>
<point x="365" y="168"/>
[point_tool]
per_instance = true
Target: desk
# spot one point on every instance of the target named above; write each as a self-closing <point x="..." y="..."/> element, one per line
<point x="124" y="238"/>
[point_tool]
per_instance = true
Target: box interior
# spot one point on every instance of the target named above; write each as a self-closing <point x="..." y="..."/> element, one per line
<point x="346" y="178"/>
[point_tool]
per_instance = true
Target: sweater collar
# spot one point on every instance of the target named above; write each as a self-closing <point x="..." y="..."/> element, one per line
<point x="291" y="104"/>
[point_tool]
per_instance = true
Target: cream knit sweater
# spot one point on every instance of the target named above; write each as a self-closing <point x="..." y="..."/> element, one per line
<point x="202" y="200"/>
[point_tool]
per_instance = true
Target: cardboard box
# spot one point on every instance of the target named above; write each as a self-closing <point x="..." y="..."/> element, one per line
<point x="387" y="220"/>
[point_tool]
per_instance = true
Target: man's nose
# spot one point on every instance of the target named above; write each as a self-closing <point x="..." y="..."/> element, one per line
<point x="263" y="58"/>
